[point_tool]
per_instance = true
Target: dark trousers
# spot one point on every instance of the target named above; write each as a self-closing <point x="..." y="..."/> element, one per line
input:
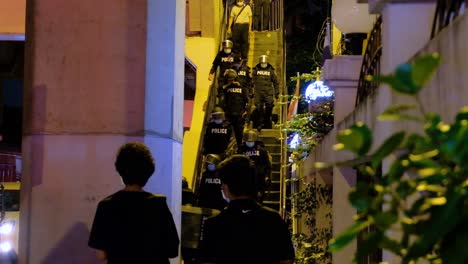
<point x="262" y="15"/>
<point x="240" y="38"/>
<point x="264" y="106"/>
<point x="237" y="123"/>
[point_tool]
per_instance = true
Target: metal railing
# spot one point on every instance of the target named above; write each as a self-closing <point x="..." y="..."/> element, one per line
<point x="446" y="11"/>
<point x="370" y="63"/>
<point x="277" y="14"/>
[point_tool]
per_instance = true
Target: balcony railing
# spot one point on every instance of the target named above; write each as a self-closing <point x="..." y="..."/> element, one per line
<point x="370" y="63"/>
<point x="446" y="12"/>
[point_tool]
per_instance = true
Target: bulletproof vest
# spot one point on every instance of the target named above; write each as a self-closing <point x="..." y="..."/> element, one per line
<point x="243" y="75"/>
<point x="262" y="77"/>
<point x="217" y="137"/>
<point x="226" y="61"/>
<point x="235" y="98"/>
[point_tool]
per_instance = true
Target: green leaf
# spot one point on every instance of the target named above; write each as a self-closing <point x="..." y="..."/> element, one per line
<point x="404" y="80"/>
<point x="423" y="69"/>
<point x="359" y="197"/>
<point x="347" y="236"/>
<point x="385" y="219"/>
<point x="357" y="139"/>
<point x="390" y="145"/>
<point x="394" y="113"/>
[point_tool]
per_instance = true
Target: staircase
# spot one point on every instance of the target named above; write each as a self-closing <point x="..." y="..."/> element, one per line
<point x="271" y="43"/>
<point x="272" y="142"/>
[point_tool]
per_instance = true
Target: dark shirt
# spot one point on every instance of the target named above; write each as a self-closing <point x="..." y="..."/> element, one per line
<point x="134" y="227"/>
<point x="246" y="232"/>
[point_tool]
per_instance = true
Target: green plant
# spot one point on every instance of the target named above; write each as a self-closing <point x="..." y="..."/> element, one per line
<point x="424" y="193"/>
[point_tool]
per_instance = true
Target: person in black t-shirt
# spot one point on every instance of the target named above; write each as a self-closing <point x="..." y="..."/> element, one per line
<point x="245" y="231"/>
<point x="131" y="225"/>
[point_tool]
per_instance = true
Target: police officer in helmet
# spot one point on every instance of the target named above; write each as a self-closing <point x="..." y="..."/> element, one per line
<point x="266" y="89"/>
<point x="217" y="133"/>
<point x="256" y="151"/>
<point x="224" y="59"/>
<point x="235" y="100"/>
<point x="210" y="185"/>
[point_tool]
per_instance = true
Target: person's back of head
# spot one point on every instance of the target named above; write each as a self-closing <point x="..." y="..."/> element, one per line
<point x="238" y="173"/>
<point x="134" y="163"/>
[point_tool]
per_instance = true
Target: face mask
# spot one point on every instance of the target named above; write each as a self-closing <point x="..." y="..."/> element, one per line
<point x="227" y="51"/>
<point x="263" y="65"/>
<point x="211" y="167"/>
<point x="249" y="144"/>
<point x="218" y="121"/>
<point x="224" y="196"/>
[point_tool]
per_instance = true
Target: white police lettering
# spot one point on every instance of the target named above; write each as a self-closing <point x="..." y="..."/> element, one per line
<point x="212" y="181"/>
<point x="250" y="153"/>
<point x="263" y="73"/>
<point x="219" y="130"/>
<point x="227" y="59"/>
<point x="242" y="73"/>
<point x="234" y="90"/>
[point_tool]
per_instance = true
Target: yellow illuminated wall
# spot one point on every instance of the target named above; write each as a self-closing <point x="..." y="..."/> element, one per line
<point x="201" y="52"/>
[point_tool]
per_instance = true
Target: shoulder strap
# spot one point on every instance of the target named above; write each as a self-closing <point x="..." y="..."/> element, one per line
<point x="235" y="19"/>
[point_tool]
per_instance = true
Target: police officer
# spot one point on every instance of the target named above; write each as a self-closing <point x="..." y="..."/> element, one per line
<point x="224" y="60"/>
<point x="243" y="73"/>
<point x="217" y="134"/>
<point x="265" y="88"/>
<point x="256" y="151"/>
<point x="235" y="99"/>
<point x="210" y="185"/>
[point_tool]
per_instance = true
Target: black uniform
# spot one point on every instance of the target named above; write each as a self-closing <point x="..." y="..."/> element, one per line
<point x="235" y="100"/>
<point x="210" y="191"/>
<point x="217" y="137"/>
<point x="259" y="155"/>
<point x="262" y="11"/>
<point x="266" y="87"/>
<point x="248" y="233"/>
<point x="224" y="61"/>
<point x="243" y="76"/>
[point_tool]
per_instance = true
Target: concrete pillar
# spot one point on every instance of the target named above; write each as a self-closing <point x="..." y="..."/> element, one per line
<point x="164" y="98"/>
<point x="341" y="74"/>
<point x="85" y="95"/>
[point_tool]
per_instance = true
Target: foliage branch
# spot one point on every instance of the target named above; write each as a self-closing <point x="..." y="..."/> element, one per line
<point x="424" y="194"/>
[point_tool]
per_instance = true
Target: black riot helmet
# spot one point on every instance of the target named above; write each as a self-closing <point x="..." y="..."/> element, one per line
<point x="250" y="135"/>
<point x="230" y="75"/>
<point x="227" y="44"/>
<point x="213" y="159"/>
<point x="217" y="113"/>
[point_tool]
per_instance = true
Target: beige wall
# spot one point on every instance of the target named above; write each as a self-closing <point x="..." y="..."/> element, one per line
<point x="12" y="16"/>
<point x="445" y="94"/>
